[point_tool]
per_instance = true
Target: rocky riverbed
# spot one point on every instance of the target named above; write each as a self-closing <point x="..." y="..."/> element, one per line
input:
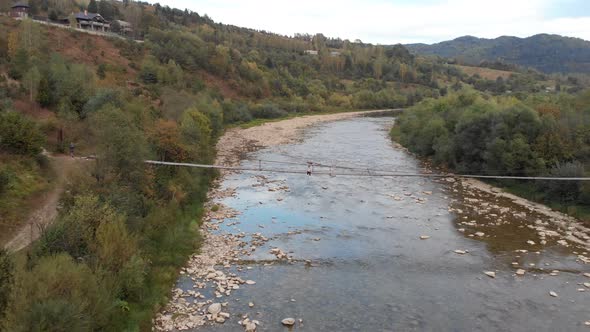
<point x="355" y="253"/>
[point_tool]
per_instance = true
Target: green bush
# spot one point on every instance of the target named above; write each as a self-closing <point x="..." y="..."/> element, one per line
<point x="268" y="111"/>
<point x="4" y="181"/>
<point x="59" y="294"/>
<point x="19" y="135"/>
<point x="6" y="281"/>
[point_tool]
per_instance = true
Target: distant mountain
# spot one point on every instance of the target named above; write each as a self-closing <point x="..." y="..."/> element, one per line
<point x="546" y="53"/>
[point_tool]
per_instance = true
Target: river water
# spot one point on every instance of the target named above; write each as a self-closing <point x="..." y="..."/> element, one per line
<point x="367" y="268"/>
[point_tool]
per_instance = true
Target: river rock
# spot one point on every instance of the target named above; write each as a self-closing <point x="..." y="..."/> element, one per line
<point x="250" y="327"/>
<point x="251" y="304"/>
<point x="587" y="284"/>
<point x="520" y="272"/>
<point x="490" y="274"/>
<point x="288" y="321"/>
<point x="552" y="293"/>
<point x="587" y="275"/>
<point x="424" y="237"/>
<point x="214" y="309"/>
<point x="480" y="234"/>
<point x="250" y="282"/>
<point x="460" y="252"/>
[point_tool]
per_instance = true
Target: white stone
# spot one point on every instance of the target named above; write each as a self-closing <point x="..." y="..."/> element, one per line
<point x="460" y="252"/>
<point x="520" y="272"/>
<point x="214" y="308"/>
<point x="552" y="293"/>
<point x="288" y="321"/>
<point x="250" y="327"/>
<point x="490" y="274"/>
<point x="424" y="237"/>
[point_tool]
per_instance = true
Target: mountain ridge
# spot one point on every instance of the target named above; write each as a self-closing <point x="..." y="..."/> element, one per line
<point x="549" y="53"/>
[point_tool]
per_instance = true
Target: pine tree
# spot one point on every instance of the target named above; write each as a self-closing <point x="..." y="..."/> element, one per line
<point x="93" y="7"/>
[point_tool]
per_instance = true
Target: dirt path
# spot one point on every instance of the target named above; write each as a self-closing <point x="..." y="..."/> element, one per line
<point x="46" y="213"/>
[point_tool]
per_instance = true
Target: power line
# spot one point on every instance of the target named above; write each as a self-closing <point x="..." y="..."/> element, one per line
<point x="369" y="173"/>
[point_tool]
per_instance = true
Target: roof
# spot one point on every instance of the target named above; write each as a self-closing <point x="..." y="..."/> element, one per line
<point x="123" y="23"/>
<point x="88" y="16"/>
<point x="21" y="5"/>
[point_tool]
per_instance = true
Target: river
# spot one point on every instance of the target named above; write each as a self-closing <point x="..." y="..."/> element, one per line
<point x="358" y="263"/>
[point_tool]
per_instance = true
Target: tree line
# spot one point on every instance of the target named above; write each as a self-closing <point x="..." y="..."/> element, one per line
<point x="541" y="135"/>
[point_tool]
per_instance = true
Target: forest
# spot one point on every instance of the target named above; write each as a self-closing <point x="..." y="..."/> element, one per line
<point x="543" y="52"/>
<point x="542" y="135"/>
<point x="124" y="228"/>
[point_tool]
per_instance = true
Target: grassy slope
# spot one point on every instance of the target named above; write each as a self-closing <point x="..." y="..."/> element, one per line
<point x="27" y="182"/>
<point x="487" y="73"/>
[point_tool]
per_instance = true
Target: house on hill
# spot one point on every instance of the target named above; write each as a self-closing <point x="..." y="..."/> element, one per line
<point x="92" y="21"/>
<point x="121" y="27"/>
<point x="19" y="10"/>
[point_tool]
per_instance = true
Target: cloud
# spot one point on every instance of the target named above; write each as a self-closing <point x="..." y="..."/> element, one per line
<point x="390" y="22"/>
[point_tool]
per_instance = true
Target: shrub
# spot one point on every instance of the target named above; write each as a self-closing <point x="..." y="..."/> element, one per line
<point x="236" y="114"/>
<point x="268" y="111"/>
<point x="42" y="161"/>
<point x="58" y="294"/>
<point x="102" y="98"/>
<point x="19" y="135"/>
<point x="6" y="281"/>
<point x="4" y="181"/>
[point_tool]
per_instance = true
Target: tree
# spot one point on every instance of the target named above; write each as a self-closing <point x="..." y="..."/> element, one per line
<point x="31" y="81"/>
<point x="19" y="135"/>
<point x="107" y="10"/>
<point x="121" y="145"/>
<point x="93" y="6"/>
<point x="45" y="92"/>
<point x="101" y="71"/>
<point x="53" y="15"/>
<point x="73" y="21"/>
<point x="115" y="26"/>
<point x="167" y="140"/>
<point x="30" y="34"/>
<point x="59" y="294"/>
<point x="196" y="132"/>
<point x="13" y="44"/>
<point x="6" y="281"/>
<point x="19" y="64"/>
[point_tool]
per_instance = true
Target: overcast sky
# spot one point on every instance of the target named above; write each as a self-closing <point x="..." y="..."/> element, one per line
<point x="401" y="21"/>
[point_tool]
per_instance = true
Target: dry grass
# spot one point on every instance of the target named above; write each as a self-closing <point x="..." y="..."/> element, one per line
<point x="486" y="73"/>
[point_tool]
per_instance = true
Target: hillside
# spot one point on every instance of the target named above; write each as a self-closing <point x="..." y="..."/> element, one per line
<point x="546" y="53"/>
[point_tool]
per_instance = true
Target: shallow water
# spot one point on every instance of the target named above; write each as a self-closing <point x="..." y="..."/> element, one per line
<point x="370" y="271"/>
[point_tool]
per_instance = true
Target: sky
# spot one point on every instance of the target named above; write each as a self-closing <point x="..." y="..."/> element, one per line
<point x="401" y="21"/>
